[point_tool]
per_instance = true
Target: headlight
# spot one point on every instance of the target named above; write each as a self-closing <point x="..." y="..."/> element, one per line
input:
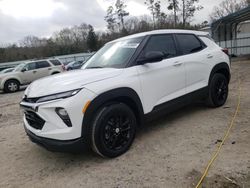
<point x="58" y="96"/>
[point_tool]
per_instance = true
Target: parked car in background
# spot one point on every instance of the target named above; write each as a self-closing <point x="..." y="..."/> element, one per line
<point x="123" y="84"/>
<point x="74" y="65"/>
<point x="6" y="70"/>
<point x="27" y="72"/>
<point x="66" y="63"/>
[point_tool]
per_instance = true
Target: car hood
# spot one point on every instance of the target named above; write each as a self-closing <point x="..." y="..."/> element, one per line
<point x="69" y="81"/>
<point x="2" y="75"/>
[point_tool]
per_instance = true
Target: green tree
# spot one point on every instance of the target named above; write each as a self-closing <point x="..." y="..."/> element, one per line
<point x="92" y="42"/>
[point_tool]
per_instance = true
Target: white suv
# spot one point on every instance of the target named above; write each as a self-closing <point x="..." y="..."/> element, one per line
<point x="27" y="72"/>
<point x="124" y="83"/>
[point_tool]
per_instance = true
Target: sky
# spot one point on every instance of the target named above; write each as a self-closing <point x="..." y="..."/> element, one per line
<point x="20" y="18"/>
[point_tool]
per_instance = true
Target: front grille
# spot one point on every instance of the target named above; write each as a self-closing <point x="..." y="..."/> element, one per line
<point x="34" y="120"/>
<point x="30" y="100"/>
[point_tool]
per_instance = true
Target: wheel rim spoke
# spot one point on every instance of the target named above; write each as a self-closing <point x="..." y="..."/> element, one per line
<point x="221" y="90"/>
<point x="12" y="87"/>
<point x="117" y="131"/>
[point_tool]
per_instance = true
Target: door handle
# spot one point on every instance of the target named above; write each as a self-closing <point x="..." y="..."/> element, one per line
<point x="177" y="64"/>
<point x="34" y="71"/>
<point x="209" y="56"/>
<point x="49" y="68"/>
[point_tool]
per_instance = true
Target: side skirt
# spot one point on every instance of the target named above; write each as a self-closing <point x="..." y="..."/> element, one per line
<point x="175" y="104"/>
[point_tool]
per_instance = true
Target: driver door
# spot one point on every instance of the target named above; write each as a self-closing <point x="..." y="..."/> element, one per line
<point x="28" y="73"/>
<point x="165" y="80"/>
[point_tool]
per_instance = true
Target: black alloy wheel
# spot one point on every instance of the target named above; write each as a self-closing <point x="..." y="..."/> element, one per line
<point x="113" y="130"/>
<point x="218" y="90"/>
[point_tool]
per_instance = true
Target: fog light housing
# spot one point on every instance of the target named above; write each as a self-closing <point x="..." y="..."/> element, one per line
<point x="63" y="114"/>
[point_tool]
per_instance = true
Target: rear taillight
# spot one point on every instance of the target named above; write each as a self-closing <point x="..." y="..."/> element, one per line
<point x="226" y="51"/>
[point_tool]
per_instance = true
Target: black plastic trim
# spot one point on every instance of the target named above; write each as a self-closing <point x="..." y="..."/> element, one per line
<point x="220" y="67"/>
<point x="110" y="97"/>
<point x="70" y="146"/>
<point x="175" y="104"/>
<point x="204" y="46"/>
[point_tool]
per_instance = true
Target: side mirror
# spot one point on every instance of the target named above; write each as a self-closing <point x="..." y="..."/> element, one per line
<point x="24" y="70"/>
<point x="152" y="57"/>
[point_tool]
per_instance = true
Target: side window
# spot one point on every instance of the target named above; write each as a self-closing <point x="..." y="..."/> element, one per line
<point x="42" y="64"/>
<point x="31" y="66"/>
<point x="162" y="43"/>
<point x="189" y="43"/>
<point x="55" y="62"/>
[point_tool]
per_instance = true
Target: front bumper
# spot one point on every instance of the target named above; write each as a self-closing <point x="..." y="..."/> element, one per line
<point x="45" y="128"/>
<point x="72" y="146"/>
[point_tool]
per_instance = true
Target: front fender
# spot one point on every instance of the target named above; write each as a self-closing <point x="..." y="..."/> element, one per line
<point x="125" y="94"/>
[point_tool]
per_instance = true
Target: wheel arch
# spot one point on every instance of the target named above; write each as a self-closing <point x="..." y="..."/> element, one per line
<point x="222" y="68"/>
<point x="12" y="78"/>
<point x="7" y="80"/>
<point x="125" y="95"/>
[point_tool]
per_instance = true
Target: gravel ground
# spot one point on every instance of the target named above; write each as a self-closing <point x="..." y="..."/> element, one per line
<point x="170" y="152"/>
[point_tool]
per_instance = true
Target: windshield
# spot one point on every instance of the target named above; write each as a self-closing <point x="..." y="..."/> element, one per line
<point x="19" y="67"/>
<point x="114" y="54"/>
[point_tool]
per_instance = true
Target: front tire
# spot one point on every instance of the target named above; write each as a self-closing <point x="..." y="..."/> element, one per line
<point x="113" y="130"/>
<point x="218" y="91"/>
<point x="11" y="86"/>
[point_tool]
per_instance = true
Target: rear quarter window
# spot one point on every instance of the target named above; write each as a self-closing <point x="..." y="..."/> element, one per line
<point x="208" y="41"/>
<point x="42" y="64"/>
<point x="189" y="43"/>
<point x="55" y="62"/>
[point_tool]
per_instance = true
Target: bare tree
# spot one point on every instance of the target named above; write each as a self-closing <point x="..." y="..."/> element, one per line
<point x="121" y="12"/>
<point x="110" y="18"/>
<point x="174" y="5"/>
<point x="31" y="41"/>
<point x="154" y="6"/>
<point x="188" y="8"/>
<point x="227" y="7"/>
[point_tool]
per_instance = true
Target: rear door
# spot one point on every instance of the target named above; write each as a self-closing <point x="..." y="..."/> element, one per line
<point x="43" y="69"/>
<point x="197" y="60"/>
<point x="57" y="65"/>
<point x="165" y="80"/>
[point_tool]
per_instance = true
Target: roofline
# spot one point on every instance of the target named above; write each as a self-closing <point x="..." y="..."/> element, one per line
<point x="161" y="31"/>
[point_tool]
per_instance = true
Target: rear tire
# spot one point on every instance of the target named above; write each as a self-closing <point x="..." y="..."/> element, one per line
<point x="218" y="91"/>
<point x="113" y="130"/>
<point x="11" y="86"/>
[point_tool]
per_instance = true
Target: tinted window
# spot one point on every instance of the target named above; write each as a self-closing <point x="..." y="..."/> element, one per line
<point x="189" y="43"/>
<point x="30" y="66"/>
<point x="162" y="43"/>
<point x="55" y="62"/>
<point x="42" y="64"/>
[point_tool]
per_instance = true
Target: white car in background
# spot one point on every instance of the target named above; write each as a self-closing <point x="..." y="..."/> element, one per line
<point x="6" y="70"/>
<point x="128" y="80"/>
<point x="27" y="72"/>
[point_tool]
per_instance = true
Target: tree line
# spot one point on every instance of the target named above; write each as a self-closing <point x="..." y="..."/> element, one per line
<point x="164" y="14"/>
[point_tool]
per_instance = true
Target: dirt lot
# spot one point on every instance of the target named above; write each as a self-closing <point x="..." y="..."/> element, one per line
<point x="170" y="152"/>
